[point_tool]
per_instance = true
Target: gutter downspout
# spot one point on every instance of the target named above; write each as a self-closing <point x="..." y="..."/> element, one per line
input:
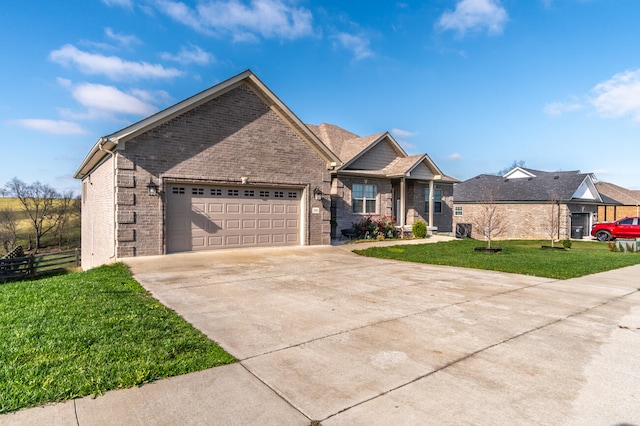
<point x="101" y="144"/>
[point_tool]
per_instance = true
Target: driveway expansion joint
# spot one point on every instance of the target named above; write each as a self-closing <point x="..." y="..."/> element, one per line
<point x="385" y="321"/>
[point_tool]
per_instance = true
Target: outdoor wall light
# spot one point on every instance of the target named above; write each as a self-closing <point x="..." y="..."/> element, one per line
<point x="152" y="188"/>
<point x="317" y="194"/>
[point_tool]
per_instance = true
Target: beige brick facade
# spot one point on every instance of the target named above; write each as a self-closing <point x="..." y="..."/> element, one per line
<point x="523" y="221"/>
<point x="342" y="197"/>
<point x="415" y="201"/>
<point x="613" y="213"/>
<point x="232" y="136"/>
<point x="98" y="219"/>
<point x="417" y="206"/>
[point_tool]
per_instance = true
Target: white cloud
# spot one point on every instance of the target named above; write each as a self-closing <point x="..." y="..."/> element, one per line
<point x="127" y="4"/>
<point x="188" y="55"/>
<point x="109" y="99"/>
<point x="123" y="39"/>
<point x="358" y="44"/>
<point x="266" y="18"/>
<point x="402" y="133"/>
<point x="619" y="96"/>
<point x="559" y="108"/>
<point x="56" y="127"/>
<point x="111" y="66"/>
<point x="454" y="157"/>
<point x="475" y="15"/>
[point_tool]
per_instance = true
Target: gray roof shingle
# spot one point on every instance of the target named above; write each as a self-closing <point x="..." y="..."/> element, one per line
<point x="535" y="189"/>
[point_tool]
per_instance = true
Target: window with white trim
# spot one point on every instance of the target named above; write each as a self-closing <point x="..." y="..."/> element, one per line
<point x="437" y="200"/>
<point x="457" y="211"/>
<point x="363" y="198"/>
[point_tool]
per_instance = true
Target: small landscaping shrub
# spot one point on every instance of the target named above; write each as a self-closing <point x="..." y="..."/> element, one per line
<point x="419" y="229"/>
<point x="376" y="228"/>
<point x="566" y="243"/>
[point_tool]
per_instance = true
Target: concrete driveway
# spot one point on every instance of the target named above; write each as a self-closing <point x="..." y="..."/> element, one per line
<point x="350" y="340"/>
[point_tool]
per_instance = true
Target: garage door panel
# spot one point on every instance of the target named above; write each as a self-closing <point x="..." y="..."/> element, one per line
<point x="232" y="240"/>
<point x="208" y="217"/>
<point x="232" y="224"/>
<point x="264" y="224"/>
<point x="249" y="224"/>
<point x="215" y="226"/>
<point x="215" y="241"/>
<point x="216" y="208"/>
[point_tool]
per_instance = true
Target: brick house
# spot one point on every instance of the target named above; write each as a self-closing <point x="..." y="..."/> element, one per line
<point x="378" y="178"/>
<point x="618" y="202"/>
<point x="232" y="167"/>
<point x="528" y="200"/>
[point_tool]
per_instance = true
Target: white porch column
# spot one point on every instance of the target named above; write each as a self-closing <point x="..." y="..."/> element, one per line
<point x="403" y="196"/>
<point x="430" y="224"/>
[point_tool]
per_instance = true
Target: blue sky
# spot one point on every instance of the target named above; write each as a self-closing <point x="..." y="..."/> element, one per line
<point x="476" y="84"/>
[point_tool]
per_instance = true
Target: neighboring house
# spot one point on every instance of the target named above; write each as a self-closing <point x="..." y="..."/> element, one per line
<point x="233" y="167"/>
<point x="528" y="200"/>
<point x="618" y="202"/>
<point x="378" y="178"/>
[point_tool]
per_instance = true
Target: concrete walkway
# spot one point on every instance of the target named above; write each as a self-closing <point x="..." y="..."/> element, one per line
<point x="323" y="334"/>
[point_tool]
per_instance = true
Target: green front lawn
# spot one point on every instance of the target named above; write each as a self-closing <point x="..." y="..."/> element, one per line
<point x="517" y="256"/>
<point x="88" y="332"/>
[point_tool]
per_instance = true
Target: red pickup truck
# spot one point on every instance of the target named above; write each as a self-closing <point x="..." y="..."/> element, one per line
<point x="629" y="227"/>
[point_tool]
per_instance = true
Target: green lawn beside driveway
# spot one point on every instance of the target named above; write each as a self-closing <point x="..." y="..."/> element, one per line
<point x="84" y="333"/>
<point x="517" y="256"/>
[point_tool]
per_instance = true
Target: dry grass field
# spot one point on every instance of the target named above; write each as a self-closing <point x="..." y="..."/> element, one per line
<point x="50" y="241"/>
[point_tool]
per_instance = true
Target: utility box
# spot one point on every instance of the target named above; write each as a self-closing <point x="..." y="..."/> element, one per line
<point x="463" y="230"/>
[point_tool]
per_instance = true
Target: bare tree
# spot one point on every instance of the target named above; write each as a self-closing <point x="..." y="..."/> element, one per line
<point x="8" y="229"/>
<point x="40" y="201"/>
<point x="515" y="164"/>
<point x="68" y="207"/>
<point x="552" y="219"/>
<point x="490" y="220"/>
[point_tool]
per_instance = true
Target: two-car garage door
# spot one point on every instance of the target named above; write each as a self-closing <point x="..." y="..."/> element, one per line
<point x="202" y="217"/>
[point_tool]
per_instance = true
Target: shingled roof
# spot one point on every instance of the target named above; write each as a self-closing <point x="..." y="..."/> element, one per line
<point x="539" y="186"/>
<point x="348" y="147"/>
<point x="614" y="194"/>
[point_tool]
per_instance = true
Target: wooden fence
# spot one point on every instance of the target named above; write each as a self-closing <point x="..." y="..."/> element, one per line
<point x="34" y="265"/>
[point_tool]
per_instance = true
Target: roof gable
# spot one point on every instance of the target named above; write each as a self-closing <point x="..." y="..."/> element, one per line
<point x="519" y="173"/>
<point x="587" y="191"/>
<point x="111" y="142"/>
<point x="361" y="151"/>
<point x="376" y="156"/>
